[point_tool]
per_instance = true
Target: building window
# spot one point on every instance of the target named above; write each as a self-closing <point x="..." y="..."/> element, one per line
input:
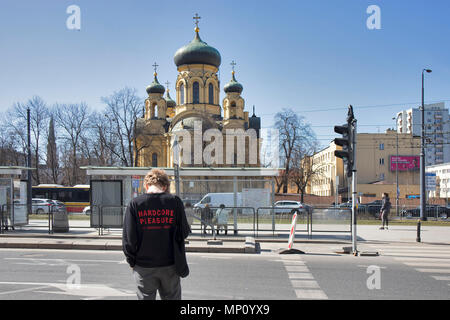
<point x="381" y="176"/>
<point x="382" y="161"/>
<point x="154" y="160"/>
<point x="381" y="146"/>
<point x="182" y="93"/>
<point x="195" y="92"/>
<point x="211" y="93"/>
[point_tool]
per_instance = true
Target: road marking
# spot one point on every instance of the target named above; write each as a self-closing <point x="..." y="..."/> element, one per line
<point x="292" y="262"/>
<point x="23" y="290"/>
<point x="433" y="251"/>
<point x="441" y="278"/>
<point x="301" y="275"/>
<point x="296" y="268"/>
<point x="312" y="284"/>
<point x="434" y="270"/>
<point x="65" y="260"/>
<point x="427" y="264"/>
<point x="85" y="290"/>
<point x="310" y="294"/>
<point x="403" y="259"/>
<point x="302" y="280"/>
<point x="417" y="254"/>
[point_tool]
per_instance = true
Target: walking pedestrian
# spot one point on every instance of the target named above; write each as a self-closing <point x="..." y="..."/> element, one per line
<point x="154" y="230"/>
<point x="384" y="211"/>
<point x="206" y="218"/>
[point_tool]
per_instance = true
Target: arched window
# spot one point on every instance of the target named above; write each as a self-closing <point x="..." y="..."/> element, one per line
<point x="154" y="160"/>
<point x="211" y="93"/>
<point x="195" y="92"/>
<point x="182" y="93"/>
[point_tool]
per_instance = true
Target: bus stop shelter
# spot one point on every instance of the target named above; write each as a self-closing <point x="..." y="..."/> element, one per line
<point x="113" y="187"/>
<point x="13" y="196"/>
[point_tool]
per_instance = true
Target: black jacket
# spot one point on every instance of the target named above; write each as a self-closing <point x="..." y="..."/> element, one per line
<point x="153" y="225"/>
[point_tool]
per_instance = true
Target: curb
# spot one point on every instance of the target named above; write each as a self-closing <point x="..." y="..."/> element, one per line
<point x="244" y="247"/>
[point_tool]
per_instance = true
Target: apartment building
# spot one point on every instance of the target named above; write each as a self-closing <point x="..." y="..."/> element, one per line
<point x="437" y="130"/>
<point x="381" y="158"/>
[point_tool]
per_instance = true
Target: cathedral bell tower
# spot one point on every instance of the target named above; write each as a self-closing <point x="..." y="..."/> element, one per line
<point x="233" y="104"/>
<point x="155" y="106"/>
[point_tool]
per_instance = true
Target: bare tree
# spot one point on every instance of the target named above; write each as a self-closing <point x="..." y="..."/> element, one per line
<point x="39" y="115"/>
<point x="303" y="171"/>
<point x="98" y="141"/>
<point x="9" y="154"/>
<point x="123" y="108"/>
<point x="296" y="137"/>
<point x="72" y="119"/>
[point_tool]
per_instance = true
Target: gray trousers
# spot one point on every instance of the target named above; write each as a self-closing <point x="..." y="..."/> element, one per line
<point x="162" y="279"/>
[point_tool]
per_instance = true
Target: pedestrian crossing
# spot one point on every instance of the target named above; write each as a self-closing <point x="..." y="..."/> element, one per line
<point x="432" y="260"/>
<point x="302" y="280"/>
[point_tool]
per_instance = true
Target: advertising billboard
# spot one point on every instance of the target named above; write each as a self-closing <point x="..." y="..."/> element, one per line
<point x="405" y="163"/>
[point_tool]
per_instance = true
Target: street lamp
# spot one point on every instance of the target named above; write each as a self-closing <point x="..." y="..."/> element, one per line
<point x="423" y="216"/>
<point x="396" y="165"/>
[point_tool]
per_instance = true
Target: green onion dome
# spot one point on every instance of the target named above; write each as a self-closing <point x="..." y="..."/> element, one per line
<point x="197" y="52"/>
<point x="169" y="101"/>
<point x="155" y="87"/>
<point x="233" y="86"/>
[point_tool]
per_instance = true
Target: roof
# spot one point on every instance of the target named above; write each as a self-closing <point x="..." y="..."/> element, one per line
<point x="185" y="172"/>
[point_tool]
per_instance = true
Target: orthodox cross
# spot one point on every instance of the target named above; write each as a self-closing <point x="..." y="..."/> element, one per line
<point x="167" y="85"/>
<point x="155" y="66"/>
<point x="233" y="64"/>
<point x="196" y="18"/>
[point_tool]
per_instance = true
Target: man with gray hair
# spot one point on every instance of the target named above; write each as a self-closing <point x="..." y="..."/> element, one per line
<point x="154" y="230"/>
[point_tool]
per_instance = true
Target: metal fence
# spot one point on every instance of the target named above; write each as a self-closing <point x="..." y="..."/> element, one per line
<point x="259" y="221"/>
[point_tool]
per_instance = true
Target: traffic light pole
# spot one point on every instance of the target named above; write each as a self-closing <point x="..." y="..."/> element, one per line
<point x="348" y="155"/>
<point x="354" y="192"/>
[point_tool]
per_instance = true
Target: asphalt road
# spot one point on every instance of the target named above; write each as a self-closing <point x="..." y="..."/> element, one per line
<point x="413" y="271"/>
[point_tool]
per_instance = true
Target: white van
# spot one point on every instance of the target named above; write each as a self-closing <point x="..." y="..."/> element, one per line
<point x="216" y="199"/>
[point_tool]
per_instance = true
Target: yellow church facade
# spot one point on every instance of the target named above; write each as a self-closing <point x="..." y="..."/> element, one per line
<point x="197" y="110"/>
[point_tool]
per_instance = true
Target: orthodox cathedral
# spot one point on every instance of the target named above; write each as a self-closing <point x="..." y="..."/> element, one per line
<point x="197" y="101"/>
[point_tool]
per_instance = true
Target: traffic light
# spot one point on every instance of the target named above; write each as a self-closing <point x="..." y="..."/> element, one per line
<point x="346" y="142"/>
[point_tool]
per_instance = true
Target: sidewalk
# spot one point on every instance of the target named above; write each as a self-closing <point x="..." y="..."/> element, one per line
<point x="244" y="242"/>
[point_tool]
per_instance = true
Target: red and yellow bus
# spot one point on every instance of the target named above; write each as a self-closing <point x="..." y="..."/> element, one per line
<point x="75" y="198"/>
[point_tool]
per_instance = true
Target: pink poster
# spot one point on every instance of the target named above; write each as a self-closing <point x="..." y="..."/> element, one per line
<point x="405" y="163"/>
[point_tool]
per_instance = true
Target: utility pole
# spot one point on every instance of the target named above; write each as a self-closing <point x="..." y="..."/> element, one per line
<point x="176" y="164"/>
<point x="423" y="215"/>
<point x="396" y="167"/>
<point x="29" y="178"/>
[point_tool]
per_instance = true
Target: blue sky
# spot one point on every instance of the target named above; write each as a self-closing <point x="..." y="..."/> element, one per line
<point x="315" y="57"/>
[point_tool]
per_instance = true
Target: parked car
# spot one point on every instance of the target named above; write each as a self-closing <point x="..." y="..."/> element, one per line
<point x="41" y="206"/>
<point x="345" y="208"/>
<point x="214" y="200"/>
<point x="87" y="210"/>
<point x="432" y="210"/>
<point x="373" y="207"/>
<point x="58" y="205"/>
<point x="287" y="206"/>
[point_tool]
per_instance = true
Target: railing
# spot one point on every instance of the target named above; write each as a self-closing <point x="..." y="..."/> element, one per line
<point x="267" y="220"/>
<point x="116" y="219"/>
